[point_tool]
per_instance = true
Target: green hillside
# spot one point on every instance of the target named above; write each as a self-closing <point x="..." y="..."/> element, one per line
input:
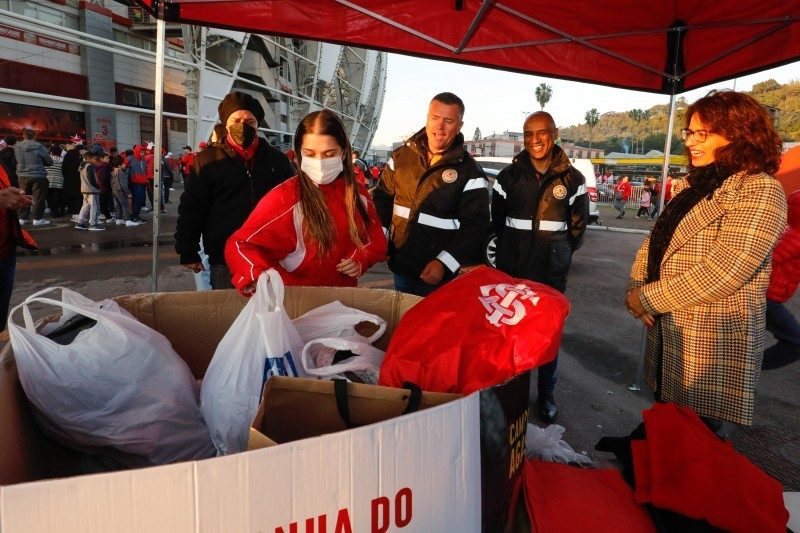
<point x="620" y="131"/>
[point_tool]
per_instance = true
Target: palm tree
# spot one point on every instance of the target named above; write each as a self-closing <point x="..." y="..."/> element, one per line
<point x="543" y="94"/>
<point x="639" y="115"/>
<point x="592" y="117"/>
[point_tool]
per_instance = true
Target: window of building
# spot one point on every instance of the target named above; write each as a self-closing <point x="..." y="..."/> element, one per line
<point x="48" y="14"/>
<point x="137" y="98"/>
<point x="72" y="22"/>
<point x="178" y="124"/>
<point x="147" y="128"/>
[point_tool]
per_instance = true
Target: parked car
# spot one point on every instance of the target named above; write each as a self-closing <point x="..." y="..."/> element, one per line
<point x="496" y="163"/>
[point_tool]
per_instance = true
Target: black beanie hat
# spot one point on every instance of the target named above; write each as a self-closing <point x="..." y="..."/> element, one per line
<point x="238" y="100"/>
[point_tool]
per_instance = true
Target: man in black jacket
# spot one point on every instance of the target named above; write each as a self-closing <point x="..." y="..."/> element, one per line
<point x="9" y="159"/>
<point x="539" y="212"/>
<point x="433" y="202"/>
<point x="227" y="180"/>
<point x="70" y="169"/>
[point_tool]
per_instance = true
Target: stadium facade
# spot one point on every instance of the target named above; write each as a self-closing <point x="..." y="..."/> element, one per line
<point x="88" y="68"/>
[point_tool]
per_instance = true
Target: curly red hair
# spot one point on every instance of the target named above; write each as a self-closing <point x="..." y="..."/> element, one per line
<point x="754" y="146"/>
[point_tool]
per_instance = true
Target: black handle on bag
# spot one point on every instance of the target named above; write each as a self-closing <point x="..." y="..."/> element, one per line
<point x="414" y="399"/>
<point x="343" y="406"/>
<point x="340" y="391"/>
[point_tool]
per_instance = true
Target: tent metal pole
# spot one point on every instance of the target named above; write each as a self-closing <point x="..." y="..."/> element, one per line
<point x="664" y="173"/>
<point x="158" y="142"/>
<point x="667" y="149"/>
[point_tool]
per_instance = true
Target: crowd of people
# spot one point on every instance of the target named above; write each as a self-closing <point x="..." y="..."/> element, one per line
<point x="87" y="183"/>
<point x="698" y="282"/>
<point x="649" y="198"/>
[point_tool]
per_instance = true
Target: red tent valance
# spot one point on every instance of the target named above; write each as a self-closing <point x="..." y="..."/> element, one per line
<point x="665" y="46"/>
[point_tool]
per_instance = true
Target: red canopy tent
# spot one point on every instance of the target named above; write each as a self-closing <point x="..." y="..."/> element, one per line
<point x="668" y="47"/>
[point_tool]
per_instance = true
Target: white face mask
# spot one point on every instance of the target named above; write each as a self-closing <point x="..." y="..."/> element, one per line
<point x="322" y="171"/>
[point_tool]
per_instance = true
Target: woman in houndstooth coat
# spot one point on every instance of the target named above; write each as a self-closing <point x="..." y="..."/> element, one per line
<point x="699" y="280"/>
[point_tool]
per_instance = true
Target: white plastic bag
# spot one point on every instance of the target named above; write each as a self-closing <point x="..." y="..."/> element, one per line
<point x="118" y="391"/>
<point x="546" y="444"/>
<point x="261" y="342"/>
<point x="366" y="362"/>
<point x="336" y="320"/>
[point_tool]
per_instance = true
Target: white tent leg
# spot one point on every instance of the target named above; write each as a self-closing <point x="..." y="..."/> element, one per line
<point x="158" y="141"/>
<point x="664" y="173"/>
<point x="667" y="149"/>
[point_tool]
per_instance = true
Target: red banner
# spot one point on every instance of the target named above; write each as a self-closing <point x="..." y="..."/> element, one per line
<point x="39" y="40"/>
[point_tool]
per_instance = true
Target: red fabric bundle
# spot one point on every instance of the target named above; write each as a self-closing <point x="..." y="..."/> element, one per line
<point x="479" y="330"/>
<point x="565" y="498"/>
<point x="683" y="467"/>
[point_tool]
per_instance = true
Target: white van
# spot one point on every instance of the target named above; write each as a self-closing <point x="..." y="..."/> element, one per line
<point x="587" y="169"/>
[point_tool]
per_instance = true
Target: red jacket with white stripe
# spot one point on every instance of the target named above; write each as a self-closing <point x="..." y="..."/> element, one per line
<point x="272" y="237"/>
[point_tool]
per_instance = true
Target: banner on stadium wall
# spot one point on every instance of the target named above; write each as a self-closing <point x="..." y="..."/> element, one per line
<point x="38" y="40"/>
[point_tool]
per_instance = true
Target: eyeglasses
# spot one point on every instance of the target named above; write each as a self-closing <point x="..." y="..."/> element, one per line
<point x="699" y="135"/>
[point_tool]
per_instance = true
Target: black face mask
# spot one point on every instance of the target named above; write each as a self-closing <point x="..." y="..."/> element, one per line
<point x="242" y="134"/>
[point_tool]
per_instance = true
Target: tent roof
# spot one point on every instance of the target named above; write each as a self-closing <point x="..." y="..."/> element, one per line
<point x="667" y="46"/>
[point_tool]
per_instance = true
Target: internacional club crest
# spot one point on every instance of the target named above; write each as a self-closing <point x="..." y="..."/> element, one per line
<point x="505" y="303"/>
<point x="560" y="192"/>
<point x="449" y="175"/>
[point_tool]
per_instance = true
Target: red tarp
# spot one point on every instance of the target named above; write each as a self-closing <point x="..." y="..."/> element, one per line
<point x="623" y="43"/>
<point x="789" y="173"/>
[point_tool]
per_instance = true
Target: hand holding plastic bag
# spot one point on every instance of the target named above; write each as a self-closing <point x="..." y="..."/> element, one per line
<point x="261" y="342"/>
<point x="118" y="390"/>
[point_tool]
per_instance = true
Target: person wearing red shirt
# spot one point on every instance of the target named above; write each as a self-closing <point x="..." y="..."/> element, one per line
<point x="11" y="236"/>
<point x="622" y="191"/>
<point x="185" y="162"/>
<point x="782" y="285"/>
<point x="319" y="227"/>
<point x="668" y="190"/>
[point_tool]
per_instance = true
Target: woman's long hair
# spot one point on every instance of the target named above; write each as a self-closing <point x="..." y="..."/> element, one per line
<point x="318" y="225"/>
<point x="754" y="146"/>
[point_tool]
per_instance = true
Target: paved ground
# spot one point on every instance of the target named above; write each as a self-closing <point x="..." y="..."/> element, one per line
<point x="600" y="351"/>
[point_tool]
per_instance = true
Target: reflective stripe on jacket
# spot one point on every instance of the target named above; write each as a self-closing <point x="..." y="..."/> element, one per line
<point x="539" y="224"/>
<point x="437" y="212"/>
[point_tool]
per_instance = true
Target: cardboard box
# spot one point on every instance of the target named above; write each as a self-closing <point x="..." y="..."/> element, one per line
<point x="449" y="467"/>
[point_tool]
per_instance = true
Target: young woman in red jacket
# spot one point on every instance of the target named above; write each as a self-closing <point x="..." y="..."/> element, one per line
<point x="317" y="228"/>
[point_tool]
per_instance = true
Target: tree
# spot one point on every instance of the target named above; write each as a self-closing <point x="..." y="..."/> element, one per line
<point x="543" y="94"/>
<point x="477" y="135"/>
<point x="766" y="86"/>
<point x="639" y="116"/>
<point x="592" y="118"/>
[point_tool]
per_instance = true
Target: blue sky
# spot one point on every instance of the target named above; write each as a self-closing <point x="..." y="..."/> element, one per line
<point x="497" y="101"/>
